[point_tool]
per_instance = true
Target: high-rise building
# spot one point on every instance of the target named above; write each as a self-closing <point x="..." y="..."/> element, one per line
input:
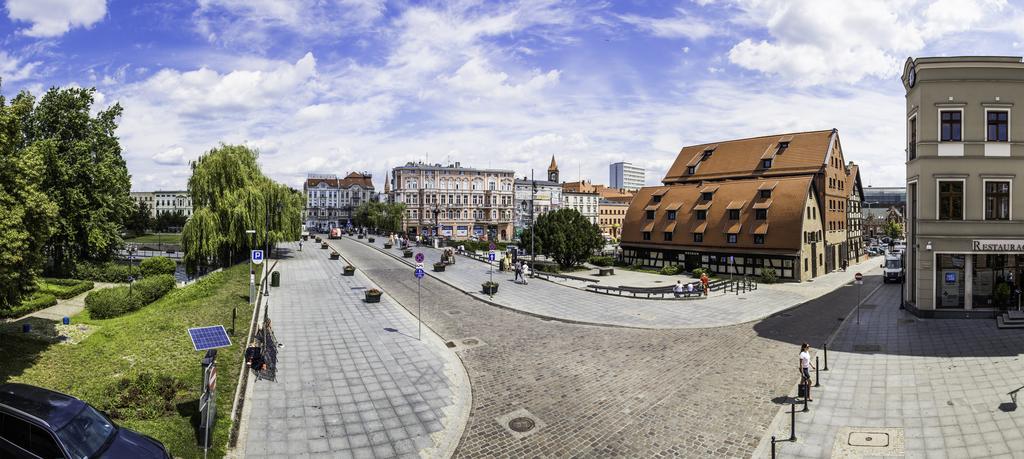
<point x="965" y="249"/>
<point x="626" y="176"/>
<point x="453" y="201"/>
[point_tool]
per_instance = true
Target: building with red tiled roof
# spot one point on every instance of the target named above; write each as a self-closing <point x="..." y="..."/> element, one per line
<point x="740" y="206"/>
<point x="331" y="201"/>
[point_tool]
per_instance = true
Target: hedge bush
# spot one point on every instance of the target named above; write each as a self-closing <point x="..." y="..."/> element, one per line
<point x="601" y="261"/>
<point x="114" y="302"/>
<point x="669" y="270"/>
<point x="106" y="272"/>
<point x="154" y="266"/>
<point x="768" y="276"/>
<point x="698" y="271"/>
<point x="65" y="288"/>
<point x="33" y="303"/>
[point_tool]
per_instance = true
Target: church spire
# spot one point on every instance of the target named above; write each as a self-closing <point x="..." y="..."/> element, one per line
<point x="553" y="170"/>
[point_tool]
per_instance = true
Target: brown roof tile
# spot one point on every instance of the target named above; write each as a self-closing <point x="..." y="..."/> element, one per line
<point x="761" y="228"/>
<point x="736" y="205"/>
<point x="701" y="227"/>
<point x="734" y="228"/>
<point x="805" y="152"/>
<point x="763" y="205"/>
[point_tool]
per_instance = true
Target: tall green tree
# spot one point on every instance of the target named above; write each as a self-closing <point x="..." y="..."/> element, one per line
<point x="27" y="215"/>
<point x="893" y="229"/>
<point x="229" y="196"/>
<point x="564" y="235"/>
<point x="381" y="216"/>
<point x="83" y="173"/>
<point x="139" y="220"/>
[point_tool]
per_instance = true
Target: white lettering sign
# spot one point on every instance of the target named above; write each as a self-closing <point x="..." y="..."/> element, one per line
<point x="998" y="245"/>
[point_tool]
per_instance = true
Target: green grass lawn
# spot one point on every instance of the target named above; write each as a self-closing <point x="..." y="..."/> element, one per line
<point x="153" y="340"/>
<point x="166" y="238"/>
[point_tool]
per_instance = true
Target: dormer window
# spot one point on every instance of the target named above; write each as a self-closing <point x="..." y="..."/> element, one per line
<point x="650" y="215"/>
<point x="734" y="214"/>
<point x="656" y="199"/>
<point x="766" y="164"/>
<point x="702" y="215"/>
<point x="761" y="214"/>
<point x="766" y="193"/>
<point x="706" y="196"/>
<point x="691" y="170"/>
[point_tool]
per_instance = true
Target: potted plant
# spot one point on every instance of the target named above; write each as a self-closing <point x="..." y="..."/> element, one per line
<point x="323" y="245"/>
<point x="387" y="245"/>
<point x="490" y="288"/>
<point x="318" y="239"/>
<point x="371" y="239"/>
<point x="359" y="236"/>
<point x="373" y="295"/>
<point x="349" y="270"/>
<point x="407" y="253"/>
<point x="439" y="267"/>
<point x="334" y="255"/>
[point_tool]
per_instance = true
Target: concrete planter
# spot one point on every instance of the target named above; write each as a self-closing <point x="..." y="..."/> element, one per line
<point x="334" y="255"/>
<point x="387" y="246"/>
<point x="407" y="254"/>
<point x="371" y="240"/>
<point x="439" y="267"/>
<point x="323" y="245"/>
<point x="489" y="288"/>
<point x="349" y="271"/>
<point x="373" y="296"/>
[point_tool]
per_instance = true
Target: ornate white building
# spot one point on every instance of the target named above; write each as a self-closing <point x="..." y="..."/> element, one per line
<point x="331" y="202"/>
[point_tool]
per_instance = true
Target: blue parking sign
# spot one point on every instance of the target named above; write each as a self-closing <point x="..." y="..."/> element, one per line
<point x="257" y="256"/>
<point x="419" y="273"/>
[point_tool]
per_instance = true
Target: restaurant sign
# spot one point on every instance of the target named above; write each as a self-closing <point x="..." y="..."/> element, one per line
<point x="999" y="245"/>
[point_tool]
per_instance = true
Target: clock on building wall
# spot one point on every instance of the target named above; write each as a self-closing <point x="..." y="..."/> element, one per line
<point x="912" y="76"/>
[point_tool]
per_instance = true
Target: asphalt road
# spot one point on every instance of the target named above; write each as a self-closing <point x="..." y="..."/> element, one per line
<point x="613" y="391"/>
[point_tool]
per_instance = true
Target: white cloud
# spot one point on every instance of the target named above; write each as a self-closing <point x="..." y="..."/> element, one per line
<point x="13" y="69"/>
<point x="52" y="18"/>
<point x="249" y="22"/>
<point x="814" y="42"/>
<point x="171" y="157"/>
<point x="476" y="77"/>
<point x="682" y="25"/>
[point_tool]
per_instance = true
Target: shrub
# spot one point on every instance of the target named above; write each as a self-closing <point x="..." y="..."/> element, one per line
<point x="65" y="288"/>
<point x="669" y="270"/>
<point x="106" y="272"/>
<point x="153" y="288"/>
<point x="698" y="271"/>
<point x="143" y="397"/>
<point x="768" y="276"/>
<point x="154" y="266"/>
<point x="601" y="261"/>
<point x="29" y="304"/>
<point x="111" y="302"/>
<point x="545" y="266"/>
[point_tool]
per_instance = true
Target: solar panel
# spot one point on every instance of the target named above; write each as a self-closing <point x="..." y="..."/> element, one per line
<point x="204" y="338"/>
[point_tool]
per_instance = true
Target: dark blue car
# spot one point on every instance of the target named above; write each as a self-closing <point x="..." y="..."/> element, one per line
<point x="41" y="423"/>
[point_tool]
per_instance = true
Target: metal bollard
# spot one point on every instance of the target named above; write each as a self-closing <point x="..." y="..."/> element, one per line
<point x="792" y="422"/>
<point x="824" y="347"/>
<point x="817" y="379"/>
<point x="806" y="409"/>
<point x="773" y="446"/>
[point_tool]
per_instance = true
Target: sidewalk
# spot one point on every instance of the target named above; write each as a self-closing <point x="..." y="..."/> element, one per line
<point x="925" y="388"/>
<point x="352" y="378"/>
<point x="551" y="300"/>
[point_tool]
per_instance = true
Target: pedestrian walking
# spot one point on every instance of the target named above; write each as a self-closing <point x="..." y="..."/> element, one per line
<point x="300" y="246"/>
<point x="526" y="273"/>
<point x="518" y="271"/>
<point x="805" y="369"/>
<point x="705" y="283"/>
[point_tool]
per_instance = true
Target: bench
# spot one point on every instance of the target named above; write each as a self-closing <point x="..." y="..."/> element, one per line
<point x="605" y="271"/>
<point x="547" y="276"/>
<point x="647" y="292"/>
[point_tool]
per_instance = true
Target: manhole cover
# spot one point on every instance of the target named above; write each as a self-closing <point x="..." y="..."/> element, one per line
<point x="470" y="342"/>
<point x="873" y="439"/>
<point x="522" y="424"/>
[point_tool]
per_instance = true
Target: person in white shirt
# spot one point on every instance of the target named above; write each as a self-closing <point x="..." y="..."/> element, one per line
<point x="805" y="368"/>
<point x="678" y="289"/>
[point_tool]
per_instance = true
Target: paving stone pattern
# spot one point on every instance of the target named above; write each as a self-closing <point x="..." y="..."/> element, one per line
<point x="558" y="301"/>
<point x="946" y="382"/>
<point x="609" y="391"/>
<point x="345" y="386"/>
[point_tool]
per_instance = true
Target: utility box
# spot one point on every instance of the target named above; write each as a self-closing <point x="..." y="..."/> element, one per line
<point x="275" y="279"/>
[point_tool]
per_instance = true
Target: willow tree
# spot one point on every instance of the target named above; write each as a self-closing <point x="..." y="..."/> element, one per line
<point x="386" y="217"/>
<point x="230" y="195"/>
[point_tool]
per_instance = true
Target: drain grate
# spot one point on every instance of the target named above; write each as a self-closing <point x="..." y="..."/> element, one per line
<point x="522" y="424"/>
<point x="358" y="288"/>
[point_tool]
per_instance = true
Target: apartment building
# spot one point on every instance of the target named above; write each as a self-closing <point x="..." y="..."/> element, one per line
<point x="455" y="202"/>
<point x="331" y="201"/>
<point x="965" y="229"/>
<point x="164" y="202"/>
<point x="626" y="176"/>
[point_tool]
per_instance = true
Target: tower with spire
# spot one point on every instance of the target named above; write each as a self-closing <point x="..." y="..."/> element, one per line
<point x="553" y="170"/>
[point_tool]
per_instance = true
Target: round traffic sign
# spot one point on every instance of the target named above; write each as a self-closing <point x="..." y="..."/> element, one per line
<point x="858" y="276"/>
<point x="492" y="246"/>
<point x="419" y="257"/>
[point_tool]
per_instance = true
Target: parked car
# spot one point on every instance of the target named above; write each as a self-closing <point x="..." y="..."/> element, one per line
<point x="41" y="423"/>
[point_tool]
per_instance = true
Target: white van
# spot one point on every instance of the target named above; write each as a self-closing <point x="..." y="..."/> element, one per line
<point x="892" y="268"/>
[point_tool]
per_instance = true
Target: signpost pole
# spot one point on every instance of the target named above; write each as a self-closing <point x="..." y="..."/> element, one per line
<point x="419" y="311"/>
<point x="859" y="280"/>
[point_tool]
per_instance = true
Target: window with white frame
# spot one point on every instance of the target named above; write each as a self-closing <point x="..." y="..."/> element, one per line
<point x="997" y="125"/>
<point x="951" y="125"/>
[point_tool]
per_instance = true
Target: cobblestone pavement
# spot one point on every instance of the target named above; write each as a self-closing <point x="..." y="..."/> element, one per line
<point x="549" y="299"/>
<point x="607" y="391"/>
<point x="353" y="380"/>
<point x="949" y="384"/>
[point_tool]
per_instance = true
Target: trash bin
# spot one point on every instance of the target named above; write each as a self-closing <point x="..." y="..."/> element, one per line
<point x="275" y="279"/>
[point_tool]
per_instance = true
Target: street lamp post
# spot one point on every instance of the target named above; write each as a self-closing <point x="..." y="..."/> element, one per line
<point x="252" y="273"/>
<point x="266" y="273"/>
<point x="132" y="248"/>
<point x="533" y="222"/>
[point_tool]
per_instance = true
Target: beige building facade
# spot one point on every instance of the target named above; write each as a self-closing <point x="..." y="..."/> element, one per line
<point x="965" y="225"/>
<point x="455" y="202"/>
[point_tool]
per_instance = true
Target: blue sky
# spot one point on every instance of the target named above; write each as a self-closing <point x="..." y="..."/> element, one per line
<point x="332" y="86"/>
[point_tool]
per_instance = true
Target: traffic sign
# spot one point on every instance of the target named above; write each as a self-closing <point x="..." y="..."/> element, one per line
<point x="420" y="273"/>
<point x="257" y="257"/>
<point x="492" y="255"/>
<point x="419" y="257"/>
<point x="858" y="278"/>
<point x="492" y="246"/>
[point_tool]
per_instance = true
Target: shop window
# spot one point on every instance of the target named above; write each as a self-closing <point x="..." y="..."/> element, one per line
<point x="994" y="279"/>
<point x="949" y="279"/>
<point x="998" y="126"/>
<point x="951" y="200"/>
<point x="997" y="200"/>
